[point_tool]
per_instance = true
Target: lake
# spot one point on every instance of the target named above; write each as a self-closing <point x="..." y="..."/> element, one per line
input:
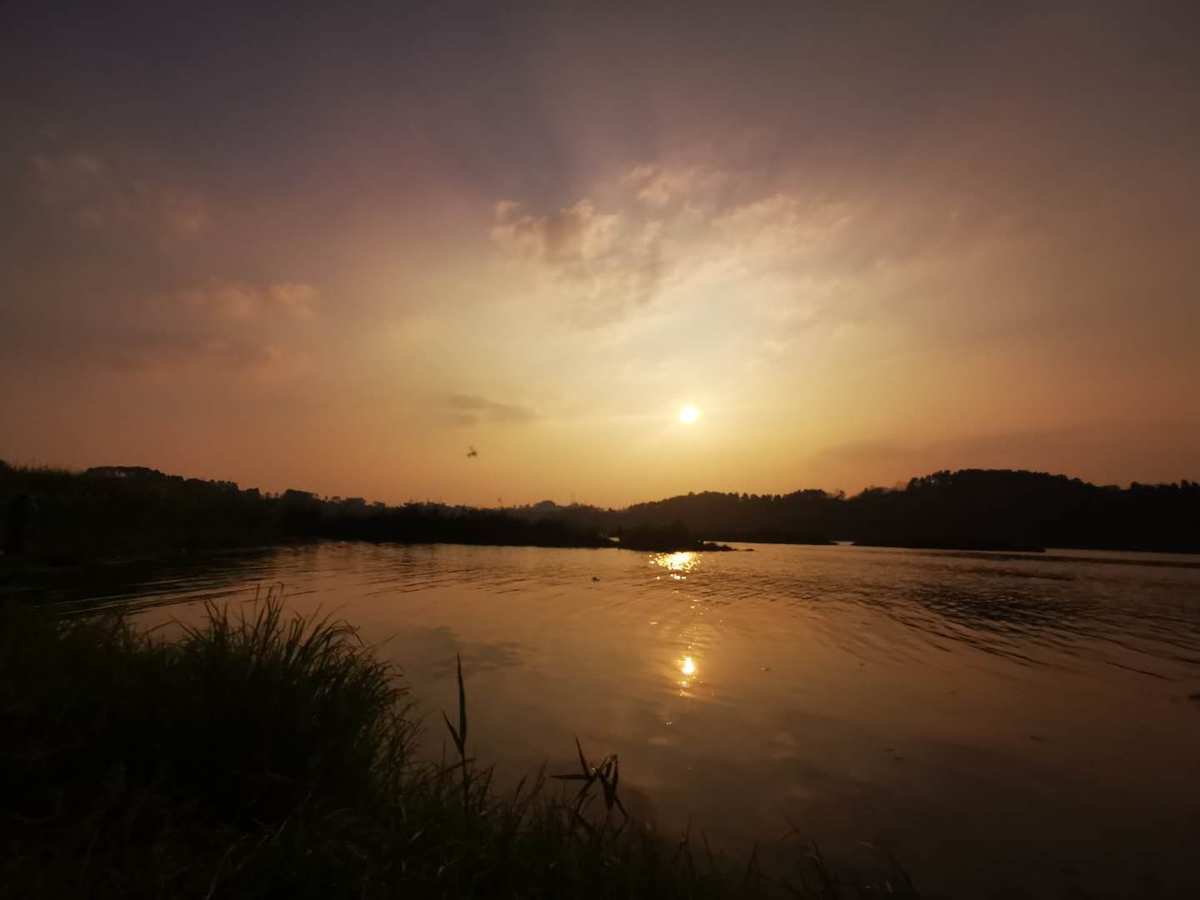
<point x="998" y="722"/>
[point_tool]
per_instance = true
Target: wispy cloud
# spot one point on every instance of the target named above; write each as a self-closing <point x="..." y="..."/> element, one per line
<point x="242" y="303"/>
<point x="468" y="409"/>
<point x="238" y="328"/>
<point x="94" y="193"/>
<point x="690" y="230"/>
<point x="601" y="264"/>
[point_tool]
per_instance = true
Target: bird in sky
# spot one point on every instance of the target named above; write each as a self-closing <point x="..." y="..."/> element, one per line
<point x="472" y="453"/>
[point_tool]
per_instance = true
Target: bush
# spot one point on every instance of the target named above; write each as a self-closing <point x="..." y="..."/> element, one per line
<point x="263" y="755"/>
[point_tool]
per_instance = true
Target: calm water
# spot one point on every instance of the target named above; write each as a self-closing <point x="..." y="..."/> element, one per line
<point x="991" y="719"/>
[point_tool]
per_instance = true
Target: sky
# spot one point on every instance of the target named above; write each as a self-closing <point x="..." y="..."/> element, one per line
<point x="333" y="249"/>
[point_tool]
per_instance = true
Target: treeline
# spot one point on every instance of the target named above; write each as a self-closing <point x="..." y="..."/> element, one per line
<point x="1001" y="509"/>
<point x="996" y="509"/>
<point x="305" y="515"/>
<point x="57" y="516"/>
<point x="60" y="516"/>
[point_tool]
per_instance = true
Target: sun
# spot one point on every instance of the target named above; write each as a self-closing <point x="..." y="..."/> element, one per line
<point x="688" y="414"/>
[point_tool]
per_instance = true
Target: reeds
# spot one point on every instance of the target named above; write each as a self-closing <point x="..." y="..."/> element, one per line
<point x="262" y="754"/>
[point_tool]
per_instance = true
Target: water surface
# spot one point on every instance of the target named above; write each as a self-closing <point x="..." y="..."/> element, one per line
<point x="994" y="720"/>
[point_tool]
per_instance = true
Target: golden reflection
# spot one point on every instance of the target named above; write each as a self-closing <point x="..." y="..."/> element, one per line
<point x="687" y="667"/>
<point x="678" y="564"/>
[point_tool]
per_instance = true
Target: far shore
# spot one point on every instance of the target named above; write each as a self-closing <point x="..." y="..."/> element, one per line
<point x="58" y="517"/>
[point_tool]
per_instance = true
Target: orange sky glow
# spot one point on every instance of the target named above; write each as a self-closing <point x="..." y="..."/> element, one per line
<point x="336" y="252"/>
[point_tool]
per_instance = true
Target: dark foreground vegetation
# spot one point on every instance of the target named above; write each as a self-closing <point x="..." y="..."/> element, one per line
<point x="262" y="756"/>
<point x="57" y="516"/>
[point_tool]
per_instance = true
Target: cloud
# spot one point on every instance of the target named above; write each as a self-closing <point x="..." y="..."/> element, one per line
<point x="96" y="194"/>
<point x="688" y="231"/>
<point x="235" y="302"/>
<point x="600" y="264"/>
<point x="237" y="327"/>
<point x="661" y="185"/>
<point x="468" y="409"/>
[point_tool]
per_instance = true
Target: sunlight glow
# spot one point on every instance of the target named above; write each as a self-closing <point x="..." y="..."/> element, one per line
<point x="678" y="563"/>
<point x="688" y="666"/>
<point x="688" y="414"/>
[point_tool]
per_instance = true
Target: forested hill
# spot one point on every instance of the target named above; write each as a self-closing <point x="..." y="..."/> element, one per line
<point x="120" y="511"/>
<point x="969" y="508"/>
<point x="1031" y="509"/>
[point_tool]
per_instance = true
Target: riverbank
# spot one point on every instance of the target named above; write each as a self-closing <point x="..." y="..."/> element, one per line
<point x="61" y="517"/>
<point x="266" y="755"/>
<point x="54" y="518"/>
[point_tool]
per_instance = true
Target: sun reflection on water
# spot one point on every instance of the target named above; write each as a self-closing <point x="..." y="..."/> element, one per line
<point x="688" y="668"/>
<point x="678" y="564"/>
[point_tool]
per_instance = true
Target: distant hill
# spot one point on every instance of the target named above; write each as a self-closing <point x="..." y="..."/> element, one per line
<point x="1000" y="509"/>
<point x="109" y="511"/>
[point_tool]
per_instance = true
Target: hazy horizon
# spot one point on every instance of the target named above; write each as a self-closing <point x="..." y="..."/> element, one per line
<point x="336" y="250"/>
<point x="899" y="484"/>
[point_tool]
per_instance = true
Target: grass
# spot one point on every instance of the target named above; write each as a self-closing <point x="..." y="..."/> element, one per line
<point x="265" y="755"/>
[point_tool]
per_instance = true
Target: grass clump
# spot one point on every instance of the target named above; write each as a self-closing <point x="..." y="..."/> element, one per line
<point x="264" y="755"/>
